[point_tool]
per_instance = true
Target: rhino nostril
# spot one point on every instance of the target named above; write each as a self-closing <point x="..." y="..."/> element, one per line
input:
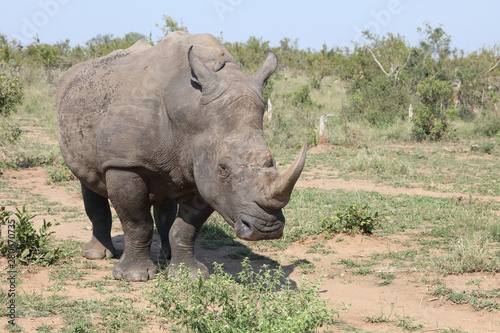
<point x="246" y="224"/>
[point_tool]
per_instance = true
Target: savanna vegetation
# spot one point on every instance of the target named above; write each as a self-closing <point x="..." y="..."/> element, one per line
<point x="405" y="116"/>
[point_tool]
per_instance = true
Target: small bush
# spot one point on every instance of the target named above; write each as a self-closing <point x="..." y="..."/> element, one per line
<point x="252" y="302"/>
<point x="60" y="173"/>
<point x="351" y="219"/>
<point x="11" y="93"/>
<point x="427" y="124"/>
<point x="9" y="131"/>
<point x="431" y="119"/>
<point x="488" y="125"/>
<point x="31" y="246"/>
<point x="487" y="148"/>
<point x="301" y="97"/>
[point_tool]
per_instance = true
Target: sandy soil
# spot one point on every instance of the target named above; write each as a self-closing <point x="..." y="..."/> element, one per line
<point x="407" y="296"/>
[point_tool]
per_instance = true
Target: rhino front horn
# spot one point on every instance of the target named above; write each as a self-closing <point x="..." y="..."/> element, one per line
<point x="281" y="189"/>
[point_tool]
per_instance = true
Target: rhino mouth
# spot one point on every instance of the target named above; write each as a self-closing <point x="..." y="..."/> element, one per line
<point x="255" y="228"/>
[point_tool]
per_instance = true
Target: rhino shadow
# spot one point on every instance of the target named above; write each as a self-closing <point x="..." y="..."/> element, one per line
<point x="223" y="250"/>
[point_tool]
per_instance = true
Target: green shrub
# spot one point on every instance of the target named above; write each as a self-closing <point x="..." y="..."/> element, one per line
<point x="60" y="173"/>
<point x="488" y="125"/>
<point x="431" y="120"/>
<point x="11" y="93"/>
<point x="426" y="124"/>
<point x="30" y="246"/>
<point x="301" y="97"/>
<point x="9" y="131"/>
<point x="351" y="219"/>
<point x="252" y="302"/>
<point x="378" y="100"/>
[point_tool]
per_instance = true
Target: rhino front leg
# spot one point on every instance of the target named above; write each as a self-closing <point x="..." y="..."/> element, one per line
<point x="97" y="209"/>
<point x="130" y="197"/>
<point x="164" y="218"/>
<point x="182" y="236"/>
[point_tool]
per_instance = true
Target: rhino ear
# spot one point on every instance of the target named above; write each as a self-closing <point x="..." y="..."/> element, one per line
<point x="267" y="69"/>
<point x="200" y="73"/>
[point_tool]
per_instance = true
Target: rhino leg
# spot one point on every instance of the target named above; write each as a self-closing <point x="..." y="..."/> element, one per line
<point x="129" y="195"/>
<point x="97" y="209"/>
<point x="186" y="227"/>
<point x="164" y="218"/>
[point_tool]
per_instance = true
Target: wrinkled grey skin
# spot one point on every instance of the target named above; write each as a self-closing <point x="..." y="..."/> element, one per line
<point x="176" y="126"/>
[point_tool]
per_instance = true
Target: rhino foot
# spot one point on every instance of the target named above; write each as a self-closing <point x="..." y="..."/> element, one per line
<point x="134" y="269"/>
<point x="96" y="250"/>
<point x="196" y="269"/>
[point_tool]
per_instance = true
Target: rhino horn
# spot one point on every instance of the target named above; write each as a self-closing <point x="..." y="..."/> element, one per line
<point x="267" y="69"/>
<point x="201" y="74"/>
<point x="279" y="191"/>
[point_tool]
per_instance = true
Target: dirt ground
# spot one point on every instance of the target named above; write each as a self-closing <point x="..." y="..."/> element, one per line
<point x="407" y="297"/>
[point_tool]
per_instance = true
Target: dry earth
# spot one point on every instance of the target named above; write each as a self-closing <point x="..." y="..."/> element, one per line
<point x="407" y="296"/>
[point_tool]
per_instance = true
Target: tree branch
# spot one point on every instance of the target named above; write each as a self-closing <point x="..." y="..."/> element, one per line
<point x="379" y="64"/>
<point x="491" y="68"/>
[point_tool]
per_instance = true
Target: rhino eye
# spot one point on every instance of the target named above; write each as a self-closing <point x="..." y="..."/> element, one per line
<point x="223" y="171"/>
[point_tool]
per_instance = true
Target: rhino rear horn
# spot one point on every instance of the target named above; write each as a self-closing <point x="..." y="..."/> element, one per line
<point x="267" y="69"/>
<point x="200" y="73"/>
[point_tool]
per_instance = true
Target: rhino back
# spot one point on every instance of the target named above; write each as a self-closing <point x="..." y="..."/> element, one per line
<point x="117" y="111"/>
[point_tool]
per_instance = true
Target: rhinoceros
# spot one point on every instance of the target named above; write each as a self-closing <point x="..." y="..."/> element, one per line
<point x="177" y="126"/>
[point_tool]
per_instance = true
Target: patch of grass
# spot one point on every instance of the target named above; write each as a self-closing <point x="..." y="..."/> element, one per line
<point x="407" y="324"/>
<point x="245" y="252"/>
<point x="320" y="248"/>
<point x="32" y="155"/>
<point x="385" y="278"/>
<point x="467" y="255"/>
<point x="364" y="271"/>
<point x="477" y="299"/>
<point x="305" y="265"/>
<point x="348" y="263"/>
<point x="382" y="318"/>
<point x="114" y="314"/>
<point x="249" y="303"/>
<point x="452" y="330"/>
<point x="67" y="272"/>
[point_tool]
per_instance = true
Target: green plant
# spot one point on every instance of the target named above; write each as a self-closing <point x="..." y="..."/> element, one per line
<point x="10" y="131"/>
<point x="467" y="255"/>
<point x="431" y="119"/>
<point x="385" y="278"/>
<point x="11" y="93"/>
<point x="488" y="125"/>
<point x="301" y="97"/>
<point x="354" y="218"/>
<point x="253" y="302"/>
<point x="407" y="324"/>
<point x="477" y="299"/>
<point x="428" y="125"/>
<point x="30" y="246"/>
<point x="381" y="318"/>
<point x="60" y="173"/>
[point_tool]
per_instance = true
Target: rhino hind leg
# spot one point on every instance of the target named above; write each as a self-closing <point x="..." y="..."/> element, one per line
<point x="164" y="216"/>
<point x="182" y="236"/>
<point x="97" y="209"/>
<point x="129" y="195"/>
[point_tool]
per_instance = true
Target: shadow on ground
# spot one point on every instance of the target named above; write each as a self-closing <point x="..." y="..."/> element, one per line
<point x="215" y="246"/>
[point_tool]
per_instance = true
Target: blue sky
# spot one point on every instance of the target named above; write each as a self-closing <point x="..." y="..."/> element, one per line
<point x="472" y="24"/>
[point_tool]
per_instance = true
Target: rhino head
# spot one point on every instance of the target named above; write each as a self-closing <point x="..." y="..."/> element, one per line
<point x="233" y="167"/>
